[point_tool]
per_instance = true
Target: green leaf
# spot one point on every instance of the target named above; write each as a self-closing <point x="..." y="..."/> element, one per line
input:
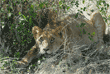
<point x="102" y="9"/>
<point x="76" y="3"/>
<point x="89" y="37"/>
<point x="60" y="7"/>
<point x="24" y="40"/>
<point x="24" y="17"/>
<point x="83" y="1"/>
<point x="60" y="2"/>
<point x="68" y="7"/>
<point x="63" y="7"/>
<point x="81" y="31"/>
<point x="30" y="20"/>
<point x="109" y="17"/>
<point x="72" y="2"/>
<point x="84" y="8"/>
<point x="77" y="26"/>
<point x="76" y="15"/>
<point x="82" y="24"/>
<point x="41" y="5"/>
<point x="107" y="5"/>
<point x="81" y="8"/>
<point x="104" y="3"/>
<point x="98" y="3"/>
<point x="93" y="33"/>
<point x="88" y="33"/>
<point x="84" y="32"/>
<point x="18" y="53"/>
<point x="63" y="1"/>
<point x="56" y="11"/>
<point x="19" y="13"/>
<point x="32" y="6"/>
<point x="33" y="65"/>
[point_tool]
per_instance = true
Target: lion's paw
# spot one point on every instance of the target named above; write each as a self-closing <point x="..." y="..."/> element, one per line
<point x="21" y="64"/>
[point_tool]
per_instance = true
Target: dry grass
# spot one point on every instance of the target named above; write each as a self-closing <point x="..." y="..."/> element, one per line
<point x="80" y="60"/>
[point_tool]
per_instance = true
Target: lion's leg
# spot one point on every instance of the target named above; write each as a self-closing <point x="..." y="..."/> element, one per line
<point x="99" y="24"/>
<point x="28" y="57"/>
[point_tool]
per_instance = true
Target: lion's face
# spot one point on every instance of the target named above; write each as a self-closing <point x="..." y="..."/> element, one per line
<point x="47" y="40"/>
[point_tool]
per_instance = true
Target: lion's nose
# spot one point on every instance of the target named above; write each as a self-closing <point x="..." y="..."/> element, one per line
<point x="46" y="49"/>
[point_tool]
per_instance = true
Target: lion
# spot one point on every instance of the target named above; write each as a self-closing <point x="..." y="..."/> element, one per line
<point x="74" y="28"/>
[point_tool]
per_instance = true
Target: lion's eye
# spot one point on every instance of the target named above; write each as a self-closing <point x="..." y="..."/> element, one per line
<point x="41" y="39"/>
<point x="52" y="40"/>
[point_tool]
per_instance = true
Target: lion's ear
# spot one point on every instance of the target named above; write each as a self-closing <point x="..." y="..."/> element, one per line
<point x="36" y="30"/>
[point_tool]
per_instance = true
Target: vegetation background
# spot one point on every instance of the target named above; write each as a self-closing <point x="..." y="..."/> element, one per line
<point x="17" y="17"/>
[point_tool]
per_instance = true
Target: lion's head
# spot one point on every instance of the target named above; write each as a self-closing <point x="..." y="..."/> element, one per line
<point x="48" y="40"/>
